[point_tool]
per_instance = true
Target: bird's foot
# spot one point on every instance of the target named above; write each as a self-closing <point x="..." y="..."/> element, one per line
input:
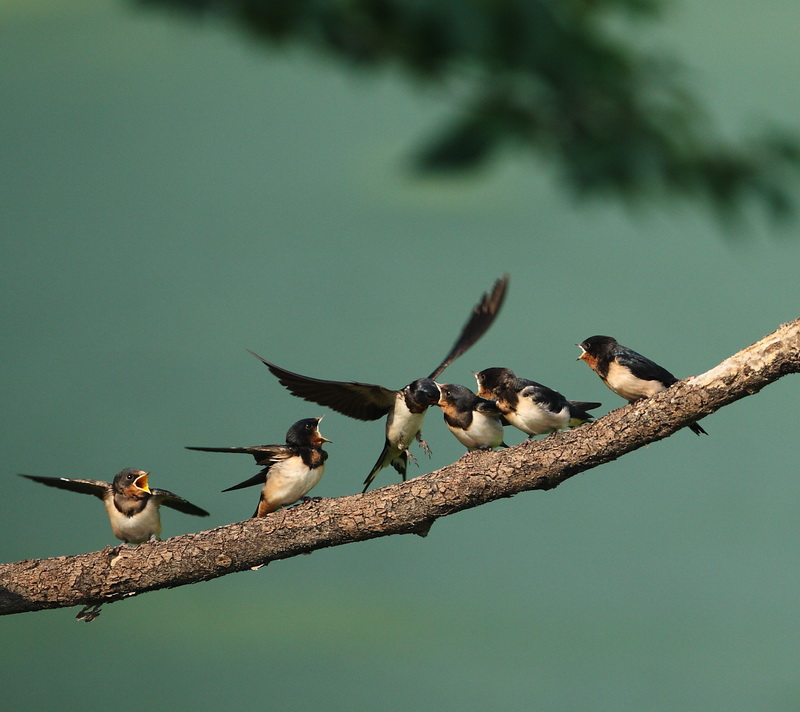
<point x="89" y="612"/>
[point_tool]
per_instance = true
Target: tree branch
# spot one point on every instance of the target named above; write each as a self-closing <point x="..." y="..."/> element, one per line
<point x="407" y="508"/>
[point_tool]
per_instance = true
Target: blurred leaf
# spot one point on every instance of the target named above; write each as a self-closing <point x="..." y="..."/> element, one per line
<point x="547" y="76"/>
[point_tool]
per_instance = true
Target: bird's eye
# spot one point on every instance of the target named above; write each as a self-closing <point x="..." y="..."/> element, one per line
<point x="130" y="476"/>
<point x="309" y="426"/>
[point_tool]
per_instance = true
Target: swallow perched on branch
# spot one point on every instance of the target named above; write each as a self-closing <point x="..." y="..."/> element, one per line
<point x="475" y="421"/>
<point x="132" y="506"/>
<point x="626" y="372"/>
<point x="529" y="406"/>
<point x="405" y="408"/>
<point x="290" y="471"/>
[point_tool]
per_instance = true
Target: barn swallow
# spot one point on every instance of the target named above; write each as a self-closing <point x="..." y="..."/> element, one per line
<point x="627" y="373"/>
<point x="290" y="471"/>
<point x="475" y="421"/>
<point x="131" y="504"/>
<point x="405" y="408"/>
<point x="529" y="406"/>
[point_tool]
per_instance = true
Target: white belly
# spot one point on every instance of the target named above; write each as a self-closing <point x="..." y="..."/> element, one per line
<point x="289" y="481"/>
<point x="625" y="384"/>
<point x="402" y="425"/>
<point x="531" y="418"/>
<point x="485" y="431"/>
<point x="137" y="528"/>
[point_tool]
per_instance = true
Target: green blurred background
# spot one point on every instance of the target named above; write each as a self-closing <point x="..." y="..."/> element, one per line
<point x="173" y="195"/>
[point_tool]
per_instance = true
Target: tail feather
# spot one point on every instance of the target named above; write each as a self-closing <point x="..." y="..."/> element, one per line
<point x="586" y="405"/>
<point x="578" y="412"/>
<point x="696" y="429"/>
<point x="389" y="456"/>
<point x="258" y="479"/>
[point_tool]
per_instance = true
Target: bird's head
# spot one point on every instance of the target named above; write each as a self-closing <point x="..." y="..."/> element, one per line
<point x="305" y="433"/>
<point x="132" y="482"/>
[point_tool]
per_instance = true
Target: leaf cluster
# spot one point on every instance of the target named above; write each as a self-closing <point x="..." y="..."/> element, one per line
<point x="555" y="78"/>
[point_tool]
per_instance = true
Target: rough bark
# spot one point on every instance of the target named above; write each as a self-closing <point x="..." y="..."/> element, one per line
<point x="411" y="507"/>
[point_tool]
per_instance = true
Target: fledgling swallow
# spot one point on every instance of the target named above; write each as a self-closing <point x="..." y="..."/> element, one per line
<point x="529" y="406"/>
<point x="627" y="373"/>
<point x="405" y="408"/>
<point x="290" y="471"/>
<point x="475" y="421"/>
<point x="132" y="506"/>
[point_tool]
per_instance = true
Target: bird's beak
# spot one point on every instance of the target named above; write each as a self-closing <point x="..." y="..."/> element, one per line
<point x="583" y="353"/>
<point x="141" y="482"/>
<point x="320" y="435"/>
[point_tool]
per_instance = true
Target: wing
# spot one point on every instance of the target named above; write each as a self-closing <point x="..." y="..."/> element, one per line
<point x="489" y="407"/>
<point x="642" y="367"/>
<point x="479" y="321"/>
<point x="546" y="397"/>
<point x="168" y="499"/>
<point x="262" y="453"/>
<point x="362" y="401"/>
<point x="98" y="488"/>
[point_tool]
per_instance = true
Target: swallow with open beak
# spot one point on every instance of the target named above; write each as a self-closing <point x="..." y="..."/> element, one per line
<point x="132" y="506"/>
<point x="405" y="408"/>
<point x="529" y="406"/>
<point x="626" y="372"/>
<point x="290" y="471"/>
<point x="475" y="421"/>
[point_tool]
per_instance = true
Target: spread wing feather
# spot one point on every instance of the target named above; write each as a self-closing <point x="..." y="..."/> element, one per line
<point x="363" y="401"/>
<point x="98" y="488"/>
<point x="168" y="499"/>
<point x="263" y="454"/>
<point x="482" y="317"/>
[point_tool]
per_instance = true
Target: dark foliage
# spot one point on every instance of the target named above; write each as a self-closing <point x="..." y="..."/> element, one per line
<point x="541" y="75"/>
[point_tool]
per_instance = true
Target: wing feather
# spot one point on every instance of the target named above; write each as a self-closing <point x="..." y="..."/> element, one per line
<point x="168" y="499"/>
<point x="98" y="488"/>
<point x="546" y="397"/>
<point x="642" y="367"/>
<point x="263" y="454"/>
<point x="363" y="401"/>
<point x="482" y="317"/>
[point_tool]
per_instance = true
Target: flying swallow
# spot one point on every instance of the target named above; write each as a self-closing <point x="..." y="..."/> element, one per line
<point x="529" y="406"/>
<point x="627" y="373"/>
<point x="405" y="408"/>
<point x="475" y="421"/>
<point x="132" y="506"/>
<point x="290" y="471"/>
